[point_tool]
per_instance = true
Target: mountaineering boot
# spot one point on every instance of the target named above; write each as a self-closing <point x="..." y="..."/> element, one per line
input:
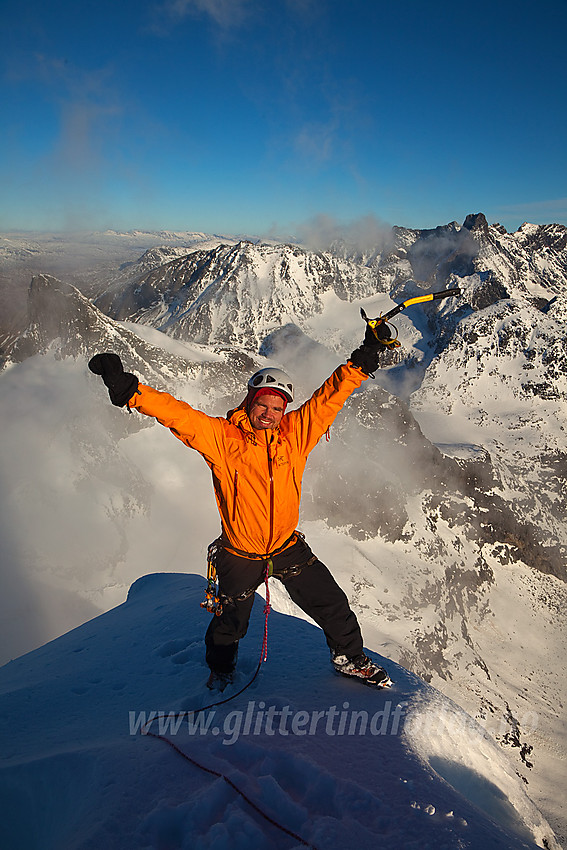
<point x="219" y="681"/>
<point x="362" y="668"/>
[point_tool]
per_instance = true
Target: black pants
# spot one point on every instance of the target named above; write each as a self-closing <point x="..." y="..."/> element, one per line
<point x="308" y="582"/>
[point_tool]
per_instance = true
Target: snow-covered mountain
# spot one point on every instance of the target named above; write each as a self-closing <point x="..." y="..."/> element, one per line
<point x="502" y="339"/>
<point x="62" y="320"/>
<point x="300" y="758"/>
<point x="237" y="294"/>
<point x="438" y="503"/>
<point x="90" y="261"/>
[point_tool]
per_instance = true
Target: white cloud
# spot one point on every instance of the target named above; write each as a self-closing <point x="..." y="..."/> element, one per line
<point x="316" y="141"/>
<point x="365" y="234"/>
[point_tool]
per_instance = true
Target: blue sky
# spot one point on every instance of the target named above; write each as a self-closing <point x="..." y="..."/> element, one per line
<point x="256" y="116"/>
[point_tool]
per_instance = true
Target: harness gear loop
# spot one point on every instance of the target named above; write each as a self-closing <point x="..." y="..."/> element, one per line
<point x="212" y="601"/>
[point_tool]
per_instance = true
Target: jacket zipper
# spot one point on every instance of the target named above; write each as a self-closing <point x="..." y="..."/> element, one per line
<point x="271" y="476"/>
<point x="235" y="498"/>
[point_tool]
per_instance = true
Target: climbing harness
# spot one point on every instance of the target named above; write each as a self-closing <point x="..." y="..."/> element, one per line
<point x="382" y="322"/>
<point x="215" y="600"/>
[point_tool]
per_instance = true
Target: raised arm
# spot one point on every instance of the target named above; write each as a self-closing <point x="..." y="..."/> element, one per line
<point x="313" y="418"/>
<point x="193" y="427"/>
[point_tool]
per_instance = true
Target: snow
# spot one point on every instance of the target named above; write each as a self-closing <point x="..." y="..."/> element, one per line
<point x="333" y="762"/>
<point x="189" y="351"/>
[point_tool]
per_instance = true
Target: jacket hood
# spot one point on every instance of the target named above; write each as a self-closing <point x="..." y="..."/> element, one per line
<point x="241" y="407"/>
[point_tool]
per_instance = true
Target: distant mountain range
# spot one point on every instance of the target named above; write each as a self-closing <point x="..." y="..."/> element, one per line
<point x="453" y="460"/>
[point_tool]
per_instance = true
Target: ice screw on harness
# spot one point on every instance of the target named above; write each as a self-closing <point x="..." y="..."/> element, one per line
<point x="392" y="341"/>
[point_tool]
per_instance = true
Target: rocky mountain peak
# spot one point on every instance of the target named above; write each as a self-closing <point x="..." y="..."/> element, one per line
<point x="476" y="221"/>
<point x="56" y="311"/>
<point x="62" y="320"/>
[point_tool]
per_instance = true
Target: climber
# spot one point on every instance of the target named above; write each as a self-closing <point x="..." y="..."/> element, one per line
<point x="257" y="455"/>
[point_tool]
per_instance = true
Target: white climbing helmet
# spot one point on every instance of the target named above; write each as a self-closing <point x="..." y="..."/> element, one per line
<point x="272" y="379"/>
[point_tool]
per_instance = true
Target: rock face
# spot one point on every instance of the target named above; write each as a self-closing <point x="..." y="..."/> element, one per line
<point x="61" y="320"/>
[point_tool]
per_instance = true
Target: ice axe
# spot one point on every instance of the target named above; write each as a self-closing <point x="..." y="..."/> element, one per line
<point x="377" y="325"/>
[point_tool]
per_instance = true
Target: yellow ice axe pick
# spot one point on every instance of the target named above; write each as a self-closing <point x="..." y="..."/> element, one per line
<point x="392" y="342"/>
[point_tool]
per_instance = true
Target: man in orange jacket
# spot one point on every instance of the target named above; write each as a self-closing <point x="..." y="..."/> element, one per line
<point x="257" y="455"/>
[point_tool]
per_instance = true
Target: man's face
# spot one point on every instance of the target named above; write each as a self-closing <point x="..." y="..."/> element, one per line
<point x="266" y="412"/>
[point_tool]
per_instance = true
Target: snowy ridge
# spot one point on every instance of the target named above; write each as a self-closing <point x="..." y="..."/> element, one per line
<point x="319" y="755"/>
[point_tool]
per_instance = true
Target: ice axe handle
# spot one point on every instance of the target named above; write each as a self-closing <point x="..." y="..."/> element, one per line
<point x="446" y="293"/>
<point x="420" y="299"/>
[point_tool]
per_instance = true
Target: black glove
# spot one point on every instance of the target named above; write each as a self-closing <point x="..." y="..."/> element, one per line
<point x="121" y="385"/>
<point x="367" y="356"/>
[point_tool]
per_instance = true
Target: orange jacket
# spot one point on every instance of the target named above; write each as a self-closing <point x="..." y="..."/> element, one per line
<point x="256" y="474"/>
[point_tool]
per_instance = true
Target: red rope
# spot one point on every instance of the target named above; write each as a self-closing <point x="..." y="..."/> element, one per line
<point x="267" y="609"/>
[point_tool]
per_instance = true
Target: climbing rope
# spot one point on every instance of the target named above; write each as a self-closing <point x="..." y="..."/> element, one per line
<point x="235" y="787"/>
<point x="145" y="729"/>
<point x="267" y="608"/>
